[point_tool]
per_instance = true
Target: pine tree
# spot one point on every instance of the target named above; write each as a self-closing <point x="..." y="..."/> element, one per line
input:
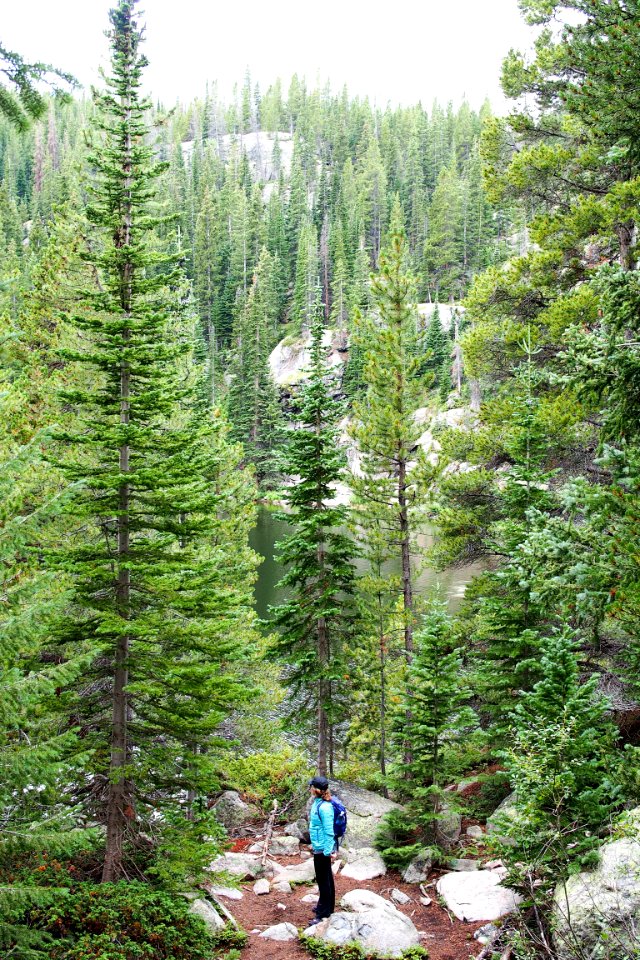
<point x="254" y="410"/>
<point x="434" y="698"/>
<point x="383" y="423"/>
<point x="161" y="573"/>
<point x="316" y="620"/>
<point x="560" y="764"/>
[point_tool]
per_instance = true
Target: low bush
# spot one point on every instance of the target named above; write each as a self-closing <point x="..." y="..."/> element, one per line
<point x="352" y="951"/>
<point x="129" y="921"/>
<point x="264" y="777"/>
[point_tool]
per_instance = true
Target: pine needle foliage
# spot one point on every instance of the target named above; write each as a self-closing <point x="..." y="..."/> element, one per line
<point x="314" y="622"/>
<point x="159" y="563"/>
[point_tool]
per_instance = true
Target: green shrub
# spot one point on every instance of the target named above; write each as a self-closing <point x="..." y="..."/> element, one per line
<point x="128" y="921"/>
<point x="320" y="950"/>
<point x="398" y="840"/>
<point x="363" y="773"/>
<point x="264" y="777"/>
<point x="492" y="790"/>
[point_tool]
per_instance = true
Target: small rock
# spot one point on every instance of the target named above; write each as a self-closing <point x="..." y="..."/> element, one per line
<point x="204" y="910"/>
<point x="280" y="906"/>
<point x="486" y="934"/>
<point x="282" y="932"/>
<point x="261" y="887"/>
<point x="475" y="831"/>
<point x="297" y="872"/>
<point x="360" y="900"/>
<point x="462" y="865"/>
<point x="299" y="830"/>
<point x="493" y="864"/>
<point x="309" y="898"/>
<point x="418" y="870"/>
<point x="282" y="886"/>
<point x="278" y="847"/>
<point x="426" y="901"/>
<point x="230" y="893"/>
<point x="399" y="896"/>
<point x="448" y="827"/>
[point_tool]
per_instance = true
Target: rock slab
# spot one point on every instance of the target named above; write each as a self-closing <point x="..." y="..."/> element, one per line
<point x="371" y="922"/>
<point x="204" y="910"/>
<point x="477" y="895"/>
<point x="365" y="810"/>
<point x="418" y="869"/>
<point x="595" y="911"/>
<point x="244" y="865"/>
<point x="282" y="932"/>
<point x="367" y="864"/>
<point x="231" y="810"/>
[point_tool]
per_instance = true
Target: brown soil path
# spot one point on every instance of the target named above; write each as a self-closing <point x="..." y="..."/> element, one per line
<point x="445" y="937"/>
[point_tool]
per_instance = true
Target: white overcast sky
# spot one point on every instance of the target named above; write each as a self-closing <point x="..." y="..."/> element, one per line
<point x="398" y="51"/>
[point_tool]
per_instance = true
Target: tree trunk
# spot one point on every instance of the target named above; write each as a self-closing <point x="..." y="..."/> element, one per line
<point x="383" y="710"/>
<point x="407" y="591"/>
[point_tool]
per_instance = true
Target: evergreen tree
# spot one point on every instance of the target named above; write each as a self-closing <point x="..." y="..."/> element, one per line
<point x="561" y="766"/>
<point x="159" y="568"/>
<point x="254" y="410"/>
<point x="315" y="621"/>
<point x="383" y="419"/>
<point x="434" y="698"/>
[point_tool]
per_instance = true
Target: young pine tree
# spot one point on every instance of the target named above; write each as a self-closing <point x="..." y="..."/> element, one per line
<point x="316" y="619"/>
<point x="159" y="566"/>
<point x="434" y="697"/>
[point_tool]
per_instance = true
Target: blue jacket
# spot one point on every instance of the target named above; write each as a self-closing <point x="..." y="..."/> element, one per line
<point x="321" y="827"/>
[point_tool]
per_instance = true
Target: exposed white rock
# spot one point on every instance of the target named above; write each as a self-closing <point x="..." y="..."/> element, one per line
<point x="475" y="832"/>
<point x="243" y="865"/>
<point x="400" y="896"/>
<point x="596" y="913"/>
<point x="261" y="887"/>
<point x="309" y="898"/>
<point x="282" y="886"/>
<point x="231" y="810"/>
<point x="299" y="830"/>
<point x="486" y="934"/>
<point x="365" y="810"/>
<point x="506" y="812"/>
<point x="462" y="865"/>
<point x="282" y="932"/>
<point x="448" y="826"/>
<point x="289" y="361"/>
<point x="366" y="865"/>
<point x="287" y="846"/>
<point x="477" y="895"/>
<point x="418" y="869"/>
<point x="204" y="910"/>
<point x="379" y="929"/>
<point x="230" y="893"/>
<point x="296" y="873"/>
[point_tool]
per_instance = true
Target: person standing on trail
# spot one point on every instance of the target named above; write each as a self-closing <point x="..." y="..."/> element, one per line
<point x="323" y="843"/>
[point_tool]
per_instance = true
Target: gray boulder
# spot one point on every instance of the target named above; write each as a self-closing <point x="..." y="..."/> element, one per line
<point x="596" y="913"/>
<point x="477" y="895"/>
<point x="448" y="827"/>
<point x="418" y="869"/>
<point x="299" y="830"/>
<point x="296" y="873"/>
<point x="375" y="925"/>
<point x="231" y="810"/>
<point x="364" y="864"/>
<point x="365" y="810"/>
<point x="500" y="818"/>
<point x="282" y="932"/>
<point x="204" y="910"/>
<point x="278" y="847"/>
<point x="243" y="865"/>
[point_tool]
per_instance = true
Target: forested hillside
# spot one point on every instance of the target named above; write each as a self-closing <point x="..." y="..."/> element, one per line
<point x="411" y="332"/>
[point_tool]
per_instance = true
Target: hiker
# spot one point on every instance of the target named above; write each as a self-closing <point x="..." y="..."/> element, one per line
<point x="323" y="843"/>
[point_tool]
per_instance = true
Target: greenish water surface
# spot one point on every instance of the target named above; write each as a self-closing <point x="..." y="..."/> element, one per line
<point x="269" y="529"/>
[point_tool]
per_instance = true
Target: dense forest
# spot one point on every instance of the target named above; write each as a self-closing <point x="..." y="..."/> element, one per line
<point x="413" y="334"/>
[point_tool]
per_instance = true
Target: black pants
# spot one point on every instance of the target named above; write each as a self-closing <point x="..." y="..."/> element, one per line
<point x="324" y="879"/>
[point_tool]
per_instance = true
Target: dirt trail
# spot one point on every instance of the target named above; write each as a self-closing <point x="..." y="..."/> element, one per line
<point x="445" y="937"/>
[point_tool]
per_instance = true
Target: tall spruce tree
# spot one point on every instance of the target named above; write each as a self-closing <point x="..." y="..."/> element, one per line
<point x="383" y="425"/>
<point x="316" y="619"/>
<point x="159" y="567"/>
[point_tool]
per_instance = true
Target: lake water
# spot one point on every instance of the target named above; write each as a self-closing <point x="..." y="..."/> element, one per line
<point x="268" y="530"/>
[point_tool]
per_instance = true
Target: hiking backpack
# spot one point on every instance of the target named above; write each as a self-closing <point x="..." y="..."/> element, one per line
<point x="339" y="819"/>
